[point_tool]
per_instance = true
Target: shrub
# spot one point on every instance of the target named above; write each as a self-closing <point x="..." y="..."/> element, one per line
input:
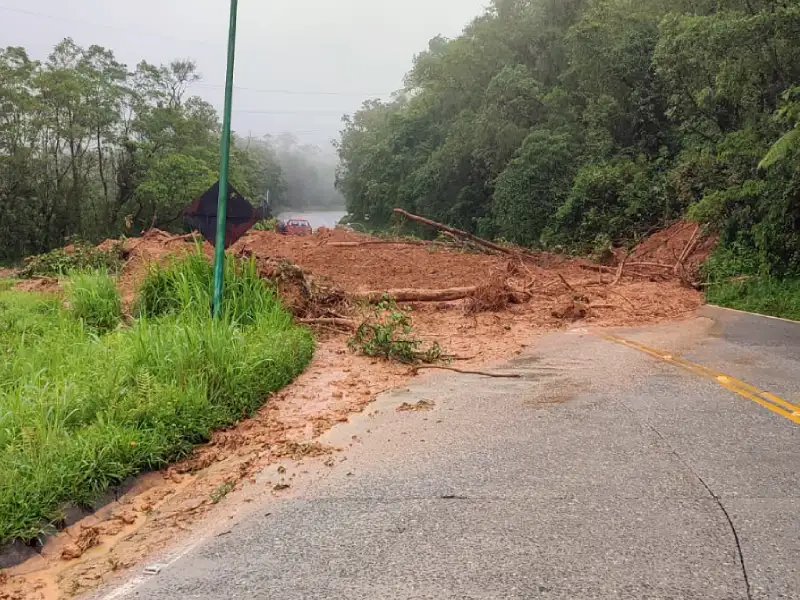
<point x="387" y="334"/>
<point x="612" y="200"/>
<point x="94" y="299"/>
<point x="81" y="256"/>
<point x="266" y="225"/>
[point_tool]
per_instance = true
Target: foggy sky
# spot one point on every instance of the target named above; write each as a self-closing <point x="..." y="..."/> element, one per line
<point x="349" y="49"/>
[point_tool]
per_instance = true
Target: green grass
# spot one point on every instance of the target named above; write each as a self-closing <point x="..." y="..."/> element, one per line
<point x="775" y="297"/>
<point x="94" y="299"/>
<point x="86" y="402"/>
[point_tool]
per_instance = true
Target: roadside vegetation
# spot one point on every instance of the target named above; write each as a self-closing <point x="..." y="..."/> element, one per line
<point x="87" y="400"/>
<point x="270" y="224"/>
<point x="80" y="257"/>
<point x="779" y="298"/>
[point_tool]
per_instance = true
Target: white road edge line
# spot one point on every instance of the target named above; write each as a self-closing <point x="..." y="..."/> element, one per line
<point x="747" y="312"/>
<point x="132" y="584"/>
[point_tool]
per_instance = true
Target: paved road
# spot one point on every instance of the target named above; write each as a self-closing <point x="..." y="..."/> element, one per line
<point x="601" y="473"/>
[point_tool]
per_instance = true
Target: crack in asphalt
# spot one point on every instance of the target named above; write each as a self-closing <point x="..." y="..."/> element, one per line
<point x="711" y="493"/>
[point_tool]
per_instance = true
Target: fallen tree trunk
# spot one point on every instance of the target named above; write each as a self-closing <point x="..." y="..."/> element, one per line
<point x="650" y="264"/>
<point x="593" y="267"/>
<point x="182" y="238"/>
<point x="333" y="322"/>
<point x="418" y="295"/>
<point x="458" y="232"/>
<point x="386" y="243"/>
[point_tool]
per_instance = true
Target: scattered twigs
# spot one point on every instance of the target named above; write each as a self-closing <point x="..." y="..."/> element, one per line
<point x="604" y="269"/>
<point x="465" y="372"/>
<point x="551" y="284"/>
<point x="650" y="264"/>
<point x="592" y="267"/>
<point x="737" y="279"/>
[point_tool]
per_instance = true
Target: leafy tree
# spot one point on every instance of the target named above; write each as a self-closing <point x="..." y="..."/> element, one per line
<point x="90" y="149"/>
<point x="576" y="122"/>
<point x="534" y="185"/>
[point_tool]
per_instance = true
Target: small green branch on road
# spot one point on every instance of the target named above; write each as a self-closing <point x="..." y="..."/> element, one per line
<point x="387" y="334"/>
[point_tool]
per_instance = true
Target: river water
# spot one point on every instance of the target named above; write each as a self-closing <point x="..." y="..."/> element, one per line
<point x="322" y="218"/>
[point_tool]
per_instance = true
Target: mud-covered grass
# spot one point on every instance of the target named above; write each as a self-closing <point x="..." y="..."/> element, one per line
<point x="775" y="297"/>
<point x="86" y="401"/>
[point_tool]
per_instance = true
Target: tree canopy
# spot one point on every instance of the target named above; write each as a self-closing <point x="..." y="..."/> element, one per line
<point x="583" y="123"/>
<point x="92" y="149"/>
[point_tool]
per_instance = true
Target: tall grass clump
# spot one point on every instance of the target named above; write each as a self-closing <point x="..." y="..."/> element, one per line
<point x="84" y="406"/>
<point x="94" y="299"/>
<point x="186" y="284"/>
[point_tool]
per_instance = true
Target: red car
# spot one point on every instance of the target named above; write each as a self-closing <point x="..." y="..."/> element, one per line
<point x="297" y="227"/>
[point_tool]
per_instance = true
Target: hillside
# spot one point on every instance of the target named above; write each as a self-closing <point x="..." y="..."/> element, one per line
<point x="585" y="124"/>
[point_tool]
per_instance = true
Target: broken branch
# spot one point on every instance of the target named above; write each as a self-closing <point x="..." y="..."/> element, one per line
<point x="188" y="236"/>
<point x="623" y="297"/>
<point x="464" y="372"/>
<point x="593" y="267"/>
<point x="687" y="250"/>
<point x="620" y="270"/>
<point x="566" y="283"/>
<point x="736" y="279"/>
<point x="458" y="232"/>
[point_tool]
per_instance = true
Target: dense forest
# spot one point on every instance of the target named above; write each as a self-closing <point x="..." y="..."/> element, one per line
<point x="580" y="124"/>
<point x="90" y="149"/>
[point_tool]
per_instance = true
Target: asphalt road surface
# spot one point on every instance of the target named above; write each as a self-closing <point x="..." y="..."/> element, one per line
<point x="634" y="467"/>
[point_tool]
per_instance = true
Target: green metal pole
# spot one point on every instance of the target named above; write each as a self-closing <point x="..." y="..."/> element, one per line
<point x="225" y="151"/>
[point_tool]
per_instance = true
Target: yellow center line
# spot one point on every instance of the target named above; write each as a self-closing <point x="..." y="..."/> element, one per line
<point x="770" y="401"/>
